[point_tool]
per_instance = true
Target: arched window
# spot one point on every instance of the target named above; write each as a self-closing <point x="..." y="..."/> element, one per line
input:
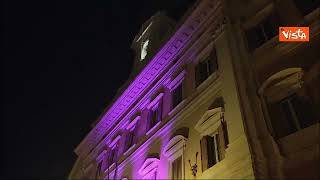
<point x="174" y="151"/>
<point x="288" y="103"/>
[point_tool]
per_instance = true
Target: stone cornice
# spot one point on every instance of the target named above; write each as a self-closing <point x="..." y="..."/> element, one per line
<point x="164" y="58"/>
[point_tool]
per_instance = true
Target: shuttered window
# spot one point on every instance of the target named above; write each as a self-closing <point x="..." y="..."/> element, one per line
<point x="213" y="148"/>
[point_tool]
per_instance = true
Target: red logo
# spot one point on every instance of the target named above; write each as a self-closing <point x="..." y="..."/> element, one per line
<point x="294" y="34"/>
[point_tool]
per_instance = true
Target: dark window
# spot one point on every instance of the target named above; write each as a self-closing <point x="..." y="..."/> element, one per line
<point x="262" y="32"/>
<point x="154" y="116"/>
<point x="113" y="156"/>
<point x="177" y="168"/>
<point x="307" y="6"/>
<point x="177" y="95"/>
<point x="292" y="114"/>
<point x="99" y="170"/>
<point x="130" y="140"/>
<point x="208" y="152"/>
<point x="211" y="143"/>
<point x="205" y="68"/>
<point x="225" y="132"/>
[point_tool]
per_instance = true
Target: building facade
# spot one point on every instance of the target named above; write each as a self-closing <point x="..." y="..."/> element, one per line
<point x="215" y="96"/>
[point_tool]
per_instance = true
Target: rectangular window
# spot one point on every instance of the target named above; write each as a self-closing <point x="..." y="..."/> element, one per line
<point x="212" y="149"/>
<point x="176" y="96"/>
<point x="177" y="168"/>
<point x="205" y="68"/>
<point x="112" y="156"/>
<point x="292" y="114"/>
<point x="263" y="31"/>
<point x="130" y="140"/>
<point x="99" y="170"/>
<point x="307" y="6"/>
<point x="155" y="115"/>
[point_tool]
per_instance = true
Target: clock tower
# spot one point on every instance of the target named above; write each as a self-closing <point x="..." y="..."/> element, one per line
<point x="153" y="33"/>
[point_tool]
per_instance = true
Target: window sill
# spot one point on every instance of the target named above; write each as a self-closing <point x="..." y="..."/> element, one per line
<point x="306" y="137"/>
<point x="215" y="168"/>
<point x="110" y="167"/>
<point x="129" y="150"/>
<point x="153" y="128"/>
<point x="177" y="108"/>
<point x="208" y="81"/>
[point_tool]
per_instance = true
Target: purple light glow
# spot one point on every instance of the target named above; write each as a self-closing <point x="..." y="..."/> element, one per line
<point x="156" y="66"/>
<point x="137" y="89"/>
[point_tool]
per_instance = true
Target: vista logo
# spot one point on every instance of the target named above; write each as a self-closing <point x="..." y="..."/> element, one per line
<point x="294" y="34"/>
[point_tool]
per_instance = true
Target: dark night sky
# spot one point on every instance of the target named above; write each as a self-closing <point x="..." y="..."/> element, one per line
<point x="63" y="62"/>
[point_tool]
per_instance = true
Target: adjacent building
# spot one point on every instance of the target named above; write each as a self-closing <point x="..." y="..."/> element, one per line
<point x="214" y="96"/>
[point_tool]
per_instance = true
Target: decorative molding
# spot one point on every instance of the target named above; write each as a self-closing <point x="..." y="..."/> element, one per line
<point x="101" y="156"/>
<point x="115" y="140"/>
<point x="176" y="81"/>
<point x="210" y="121"/>
<point x="189" y="107"/>
<point x="174" y="148"/>
<point x="149" y="167"/>
<point x="149" y="74"/>
<point x="154" y="103"/>
<point x="132" y="124"/>
<point x="282" y="84"/>
<point x="129" y="150"/>
<point x="153" y="128"/>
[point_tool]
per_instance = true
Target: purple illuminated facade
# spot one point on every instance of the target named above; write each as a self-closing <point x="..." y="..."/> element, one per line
<point x="194" y="107"/>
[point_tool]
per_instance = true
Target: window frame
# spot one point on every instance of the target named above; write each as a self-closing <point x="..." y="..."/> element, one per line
<point x="278" y="87"/>
<point x="154" y="106"/>
<point x="173" y="150"/>
<point x="131" y="129"/>
<point x="210" y="62"/>
<point x="172" y="169"/>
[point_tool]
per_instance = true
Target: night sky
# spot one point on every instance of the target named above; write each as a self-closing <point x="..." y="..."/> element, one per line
<point x="63" y="62"/>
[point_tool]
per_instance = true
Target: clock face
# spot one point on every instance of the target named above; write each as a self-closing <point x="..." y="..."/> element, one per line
<point x="144" y="50"/>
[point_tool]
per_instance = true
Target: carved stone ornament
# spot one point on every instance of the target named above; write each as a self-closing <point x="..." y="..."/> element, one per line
<point x="210" y="121"/>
